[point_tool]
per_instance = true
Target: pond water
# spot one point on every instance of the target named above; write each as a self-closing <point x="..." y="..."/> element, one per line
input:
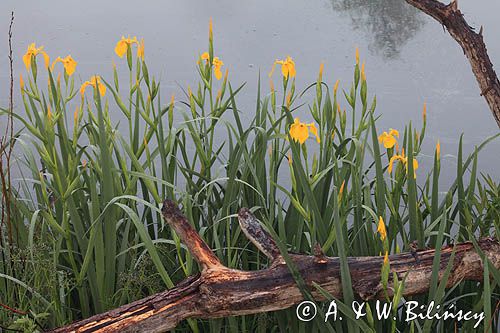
<point x="409" y="57"/>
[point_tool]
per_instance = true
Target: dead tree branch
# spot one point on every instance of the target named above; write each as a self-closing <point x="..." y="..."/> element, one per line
<point x="472" y="44"/>
<point x="219" y="291"/>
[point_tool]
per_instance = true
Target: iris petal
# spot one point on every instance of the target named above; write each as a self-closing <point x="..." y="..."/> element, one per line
<point x="121" y="48"/>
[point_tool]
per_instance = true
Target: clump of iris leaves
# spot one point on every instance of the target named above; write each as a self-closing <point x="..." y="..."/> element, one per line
<point x="87" y="232"/>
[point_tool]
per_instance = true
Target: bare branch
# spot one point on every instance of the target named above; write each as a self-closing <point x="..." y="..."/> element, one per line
<point x="472" y="44"/>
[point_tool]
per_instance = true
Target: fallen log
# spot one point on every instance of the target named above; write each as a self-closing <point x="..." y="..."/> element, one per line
<point x="219" y="291"/>
<point x="472" y="44"/>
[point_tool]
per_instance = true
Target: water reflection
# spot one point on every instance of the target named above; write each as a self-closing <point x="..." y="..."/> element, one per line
<point x="388" y="23"/>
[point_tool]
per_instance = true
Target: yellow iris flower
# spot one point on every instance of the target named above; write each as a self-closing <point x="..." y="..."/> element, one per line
<point x="381" y="229"/>
<point x="300" y="131"/>
<point x="388" y="139"/>
<point x="287" y="67"/>
<point x="123" y="45"/>
<point x="404" y="160"/>
<point x="95" y="81"/>
<point x="33" y="51"/>
<point x="69" y="64"/>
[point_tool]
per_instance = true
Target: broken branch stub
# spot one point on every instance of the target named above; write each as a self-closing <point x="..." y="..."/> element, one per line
<point x="196" y="246"/>
<point x="257" y="235"/>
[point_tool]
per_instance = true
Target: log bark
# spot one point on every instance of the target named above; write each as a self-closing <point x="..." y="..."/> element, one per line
<point x="472" y="44"/>
<point x="219" y="291"/>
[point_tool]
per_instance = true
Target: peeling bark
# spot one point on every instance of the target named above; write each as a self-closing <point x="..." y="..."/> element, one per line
<point x="219" y="291"/>
<point x="472" y="44"/>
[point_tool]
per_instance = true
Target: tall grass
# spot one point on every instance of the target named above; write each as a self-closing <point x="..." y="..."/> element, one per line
<point x="88" y="230"/>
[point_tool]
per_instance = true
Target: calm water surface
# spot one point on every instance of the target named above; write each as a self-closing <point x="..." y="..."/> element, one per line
<point x="409" y="58"/>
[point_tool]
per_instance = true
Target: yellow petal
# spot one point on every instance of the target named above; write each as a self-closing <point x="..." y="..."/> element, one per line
<point x="302" y="133"/>
<point x="21" y="82"/>
<point x="381" y="137"/>
<point x="55" y="62"/>
<point x="69" y="65"/>
<point x="386" y="258"/>
<point x="27" y="61"/>
<point x="357" y="55"/>
<point x="284" y="70"/>
<point x="299" y="131"/>
<point x="46" y="58"/>
<point x="394" y="132"/>
<point x="291" y="66"/>
<point x="391" y="163"/>
<point x="293" y="131"/>
<point x="218" y="73"/>
<point x="83" y="87"/>
<point x="389" y="142"/>
<point x="121" y="48"/>
<point x="314" y="131"/>
<point x="102" y="89"/>
<point x="438" y="147"/>
<point x="217" y="67"/>
<point x="205" y="56"/>
<point x="274" y="65"/>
